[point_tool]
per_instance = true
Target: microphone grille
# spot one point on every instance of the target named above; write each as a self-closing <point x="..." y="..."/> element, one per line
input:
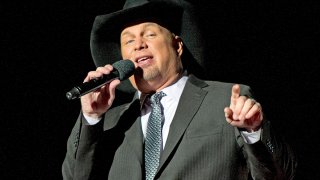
<point x="125" y="68"/>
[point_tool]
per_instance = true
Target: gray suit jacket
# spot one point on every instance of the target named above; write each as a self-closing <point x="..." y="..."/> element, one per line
<point x="201" y="144"/>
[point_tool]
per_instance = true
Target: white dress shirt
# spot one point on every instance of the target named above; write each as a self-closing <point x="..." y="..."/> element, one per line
<point x="169" y="104"/>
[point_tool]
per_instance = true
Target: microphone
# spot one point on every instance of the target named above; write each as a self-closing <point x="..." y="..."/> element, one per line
<point x="122" y="70"/>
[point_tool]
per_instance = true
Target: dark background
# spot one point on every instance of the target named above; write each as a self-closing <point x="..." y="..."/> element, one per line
<point x="269" y="45"/>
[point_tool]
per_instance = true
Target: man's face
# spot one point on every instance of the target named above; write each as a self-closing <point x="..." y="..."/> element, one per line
<point x="156" y="53"/>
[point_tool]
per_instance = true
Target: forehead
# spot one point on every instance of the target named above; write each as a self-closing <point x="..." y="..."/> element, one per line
<point x="141" y="25"/>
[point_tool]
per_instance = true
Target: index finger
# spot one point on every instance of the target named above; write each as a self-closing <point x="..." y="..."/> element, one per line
<point x="235" y="93"/>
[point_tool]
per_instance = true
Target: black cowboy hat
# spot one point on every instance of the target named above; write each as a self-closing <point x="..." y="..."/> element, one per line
<point x="176" y="15"/>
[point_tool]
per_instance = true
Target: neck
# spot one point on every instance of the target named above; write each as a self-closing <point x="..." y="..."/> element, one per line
<point x="169" y="82"/>
<point x="155" y="86"/>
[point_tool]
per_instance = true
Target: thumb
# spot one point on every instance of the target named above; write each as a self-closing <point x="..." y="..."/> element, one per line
<point x="228" y="114"/>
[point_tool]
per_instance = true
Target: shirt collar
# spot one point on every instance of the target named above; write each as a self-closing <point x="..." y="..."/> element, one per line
<point x="173" y="91"/>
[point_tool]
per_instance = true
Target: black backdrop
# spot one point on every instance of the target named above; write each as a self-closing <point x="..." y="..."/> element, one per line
<point x="271" y="46"/>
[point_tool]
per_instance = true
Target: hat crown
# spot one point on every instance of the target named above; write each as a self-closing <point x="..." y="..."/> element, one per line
<point x="133" y="3"/>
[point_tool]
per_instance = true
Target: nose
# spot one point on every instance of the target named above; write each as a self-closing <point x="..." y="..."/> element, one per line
<point x="140" y="44"/>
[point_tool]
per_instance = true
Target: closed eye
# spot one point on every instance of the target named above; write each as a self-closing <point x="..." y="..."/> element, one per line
<point x="150" y="35"/>
<point x="129" y="41"/>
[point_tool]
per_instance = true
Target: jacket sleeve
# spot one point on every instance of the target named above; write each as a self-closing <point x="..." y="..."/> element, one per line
<point x="81" y="147"/>
<point x="271" y="157"/>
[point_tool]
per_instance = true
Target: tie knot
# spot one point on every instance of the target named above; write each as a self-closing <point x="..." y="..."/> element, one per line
<point x="156" y="97"/>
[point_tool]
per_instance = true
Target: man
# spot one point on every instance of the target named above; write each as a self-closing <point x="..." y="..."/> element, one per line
<point x="209" y="130"/>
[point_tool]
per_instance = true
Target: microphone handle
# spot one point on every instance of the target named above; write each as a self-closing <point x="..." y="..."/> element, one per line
<point x="91" y="85"/>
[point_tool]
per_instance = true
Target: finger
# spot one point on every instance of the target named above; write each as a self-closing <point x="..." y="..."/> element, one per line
<point x="105" y="69"/>
<point x="228" y="114"/>
<point x="246" y="108"/>
<point x="239" y="106"/>
<point x="99" y="72"/>
<point x="254" y="111"/>
<point x="93" y="75"/>
<point x="109" y="91"/>
<point x="235" y="93"/>
<point x="113" y="85"/>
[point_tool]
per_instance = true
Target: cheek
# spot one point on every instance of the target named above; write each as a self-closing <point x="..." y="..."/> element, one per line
<point x="125" y="52"/>
<point x="163" y="50"/>
<point x="122" y="53"/>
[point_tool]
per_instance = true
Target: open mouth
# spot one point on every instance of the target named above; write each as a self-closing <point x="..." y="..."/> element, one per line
<point x="144" y="61"/>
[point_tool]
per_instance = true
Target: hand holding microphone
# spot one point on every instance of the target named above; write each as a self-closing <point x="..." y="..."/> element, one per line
<point x="102" y="83"/>
<point x="122" y="70"/>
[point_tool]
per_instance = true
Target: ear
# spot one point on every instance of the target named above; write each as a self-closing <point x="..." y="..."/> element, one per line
<point x="178" y="45"/>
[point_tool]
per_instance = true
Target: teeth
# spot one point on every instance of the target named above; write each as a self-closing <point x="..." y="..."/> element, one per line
<point x="144" y="58"/>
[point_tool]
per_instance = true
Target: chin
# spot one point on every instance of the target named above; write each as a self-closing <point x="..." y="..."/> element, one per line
<point x="150" y="74"/>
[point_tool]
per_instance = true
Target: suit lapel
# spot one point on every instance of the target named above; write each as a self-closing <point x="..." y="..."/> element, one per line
<point x="134" y="137"/>
<point x="185" y="112"/>
<point x="128" y="119"/>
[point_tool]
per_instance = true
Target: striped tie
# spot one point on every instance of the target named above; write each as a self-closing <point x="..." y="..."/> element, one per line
<point x="153" y="139"/>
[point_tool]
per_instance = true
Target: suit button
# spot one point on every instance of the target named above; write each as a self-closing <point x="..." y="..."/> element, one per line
<point x="75" y="144"/>
<point x="270" y="146"/>
<point x="76" y="141"/>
